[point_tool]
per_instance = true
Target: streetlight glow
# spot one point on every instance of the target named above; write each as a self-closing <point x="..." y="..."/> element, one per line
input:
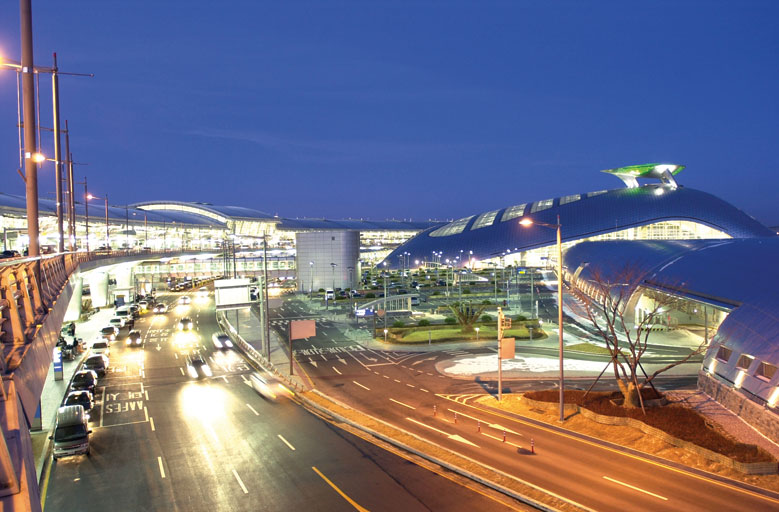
<point x="526" y="222"/>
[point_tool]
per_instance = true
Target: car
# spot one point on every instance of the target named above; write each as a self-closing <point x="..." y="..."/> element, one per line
<point x="160" y="308"/>
<point x="197" y="367"/>
<point x="134" y="339"/>
<point x="82" y="397"/>
<point x="221" y="340"/>
<point x="143" y="306"/>
<point x="109" y="332"/>
<point x="9" y="254"/>
<point x="267" y="386"/>
<point x="135" y="311"/>
<point x="185" y="324"/>
<point x="100" y="346"/>
<point x="71" y="433"/>
<point x="98" y="363"/>
<point x="185" y="299"/>
<point x="355" y="294"/>
<point x="84" y="380"/>
<point x="203" y="292"/>
<point x="117" y="322"/>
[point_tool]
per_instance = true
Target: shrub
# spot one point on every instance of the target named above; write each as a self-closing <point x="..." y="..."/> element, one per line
<point x="450" y="320"/>
<point x="520" y="318"/>
<point x="486" y="302"/>
<point x="466" y="291"/>
<point x="436" y="293"/>
<point x="424" y="322"/>
<point x="321" y="290"/>
<point x="398" y="323"/>
<point x="487" y="319"/>
<point x="370" y="295"/>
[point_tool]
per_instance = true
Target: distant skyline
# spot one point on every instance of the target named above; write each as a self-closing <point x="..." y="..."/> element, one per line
<point x="402" y="109"/>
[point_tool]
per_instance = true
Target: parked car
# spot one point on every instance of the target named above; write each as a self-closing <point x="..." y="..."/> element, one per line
<point x="100" y="346"/>
<point x="9" y="254"/>
<point x="83" y="398"/>
<point x="98" y="363"/>
<point x="134" y="339"/>
<point x="71" y="432"/>
<point x="84" y="379"/>
<point x="109" y="332"/>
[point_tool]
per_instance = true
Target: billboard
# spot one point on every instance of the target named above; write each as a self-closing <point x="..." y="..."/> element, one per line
<point x="231" y="294"/>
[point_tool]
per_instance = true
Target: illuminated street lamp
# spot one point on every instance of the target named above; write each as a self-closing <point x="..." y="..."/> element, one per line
<point x="477" y="333"/>
<point x="105" y="198"/>
<point x="311" y="288"/>
<point x="526" y="222"/>
<point x="385" y="334"/>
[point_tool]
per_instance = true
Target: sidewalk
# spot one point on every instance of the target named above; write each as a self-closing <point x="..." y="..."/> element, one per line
<point x="54" y="390"/>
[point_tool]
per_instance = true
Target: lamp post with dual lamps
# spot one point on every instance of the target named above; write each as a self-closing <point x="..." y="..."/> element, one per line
<point x="527" y="222"/>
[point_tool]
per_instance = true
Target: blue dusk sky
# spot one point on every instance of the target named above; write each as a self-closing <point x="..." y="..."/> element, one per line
<point x="396" y="109"/>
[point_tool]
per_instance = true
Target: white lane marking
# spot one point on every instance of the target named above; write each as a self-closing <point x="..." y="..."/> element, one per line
<point x="252" y="409"/>
<point x="363" y="387"/>
<point x="162" y="469"/>
<point x="323" y="357"/>
<point x="142" y="390"/>
<point x="151" y="422"/>
<point x="423" y="389"/>
<point x="175" y="355"/>
<point x="385" y="376"/>
<point x="102" y="405"/>
<point x="181" y="370"/>
<point x="401" y="403"/>
<point x="225" y="379"/>
<point x="410" y="385"/>
<point x="453" y="437"/>
<point x="244" y="378"/>
<point x="146" y="394"/>
<point x="500" y="439"/>
<point x="146" y="413"/>
<point x="314" y="363"/>
<point x="396" y="380"/>
<point x="336" y="371"/>
<point x="286" y="442"/>
<point x="635" y="488"/>
<point x="240" y="482"/>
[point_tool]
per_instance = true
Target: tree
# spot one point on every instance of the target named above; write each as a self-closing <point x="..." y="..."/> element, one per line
<point x="608" y="299"/>
<point x="466" y="314"/>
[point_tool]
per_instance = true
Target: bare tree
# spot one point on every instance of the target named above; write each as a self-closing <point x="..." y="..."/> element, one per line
<point x="466" y="314"/>
<point x="606" y="302"/>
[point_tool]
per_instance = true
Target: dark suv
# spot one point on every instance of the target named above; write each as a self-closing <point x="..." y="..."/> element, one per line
<point x="84" y="379"/>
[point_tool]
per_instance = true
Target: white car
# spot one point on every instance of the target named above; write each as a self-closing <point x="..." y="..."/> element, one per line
<point x="184" y="300"/>
<point x="268" y="387"/>
<point x="221" y="340"/>
<point x="100" y="346"/>
<point x="117" y="322"/>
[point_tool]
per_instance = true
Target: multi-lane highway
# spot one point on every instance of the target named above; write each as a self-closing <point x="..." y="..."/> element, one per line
<point x="405" y="389"/>
<point x="163" y="441"/>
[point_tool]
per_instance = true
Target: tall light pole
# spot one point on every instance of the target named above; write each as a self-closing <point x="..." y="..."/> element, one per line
<point x="86" y="211"/>
<point x="311" y="288"/>
<point x="332" y="266"/>
<point x="529" y="222"/>
<point x="30" y="141"/>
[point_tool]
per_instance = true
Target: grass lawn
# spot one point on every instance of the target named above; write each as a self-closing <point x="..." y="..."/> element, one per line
<point x="422" y="334"/>
<point x="589" y="348"/>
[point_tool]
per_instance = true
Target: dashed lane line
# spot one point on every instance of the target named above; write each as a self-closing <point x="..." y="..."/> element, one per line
<point x="401" y="403"/>
<point x="286" y="442"/>
<point x="240" y="482"/>
<point x="162" y="469"/>
<point x="363" y="387"/>
<point x="635" y="488"/>
<point x="336" y="371"/>
<point x="253" y="410"/>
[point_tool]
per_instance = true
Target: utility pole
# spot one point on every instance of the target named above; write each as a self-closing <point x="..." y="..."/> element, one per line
<point x="71" y="197"/>
<point x="265" y="295"/>
<point x="86" y="207"/>
<point x="30" y="144"/>
<point x="57" y="153"/>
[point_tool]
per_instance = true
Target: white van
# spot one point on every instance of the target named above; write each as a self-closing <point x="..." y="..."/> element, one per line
<point x="415" y="300"/>
<point x="71" y="432"/>
<point x="329" y="294"/>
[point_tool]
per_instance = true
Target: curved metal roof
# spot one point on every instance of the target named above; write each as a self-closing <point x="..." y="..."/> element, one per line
<point x="354" y="224"/>
<point x="581" y="215"/>
<point x="739" y="275"/>
<point x="116" y="214"/>
<point x="221" y="213"/>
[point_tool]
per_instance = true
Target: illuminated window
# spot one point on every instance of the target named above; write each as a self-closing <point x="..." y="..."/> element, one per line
<point x="453" y="228"/>
<point x="485" y="219"/>
<point x="541" y="205"/>
<point x="724" y="353"/>
<point x="596" y="193"/>
<point x="513" y="212"/>
<point x="570" y="199"/>
<point x="744" y="361"/>
<point x="765" y="371"/>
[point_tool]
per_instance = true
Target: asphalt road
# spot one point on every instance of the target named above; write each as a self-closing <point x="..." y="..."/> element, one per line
<point x="406" y="390"/>
<point x="163" y="441"/>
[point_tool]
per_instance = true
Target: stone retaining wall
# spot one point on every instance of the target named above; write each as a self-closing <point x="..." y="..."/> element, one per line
<point x="752" y="468"/>
<point x="761" y="418"/>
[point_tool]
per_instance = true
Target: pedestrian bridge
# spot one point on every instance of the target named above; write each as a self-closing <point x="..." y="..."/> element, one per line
<point x="391" y="304"/>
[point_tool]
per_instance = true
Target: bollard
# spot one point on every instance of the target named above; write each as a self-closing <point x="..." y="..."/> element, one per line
<point x="435" y="410"/>
<point x="478" y="425"/>
<point x="455" y="417"/>
<point x="532" y="446"/>
<point x="504" y="436"/>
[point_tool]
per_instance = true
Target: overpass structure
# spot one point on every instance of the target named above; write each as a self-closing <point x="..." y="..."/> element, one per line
<point x="34" y="297"/>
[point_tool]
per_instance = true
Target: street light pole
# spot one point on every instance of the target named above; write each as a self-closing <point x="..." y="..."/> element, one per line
<point x="107" y="239"/>
<point x="529" y="222"/>
<point x="30" y="141"/>
<point x="86" y="212"/>
<point x="57" y="153"/>
<point x="311" y="288"/>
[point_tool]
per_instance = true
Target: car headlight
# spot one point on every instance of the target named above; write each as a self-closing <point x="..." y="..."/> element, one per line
<point x="192" y="372"/>
<point x="207" y="370"/>
<point x="229" y="344"/>
<point x="128" y="342"/>
<point x="217" y="343"/>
